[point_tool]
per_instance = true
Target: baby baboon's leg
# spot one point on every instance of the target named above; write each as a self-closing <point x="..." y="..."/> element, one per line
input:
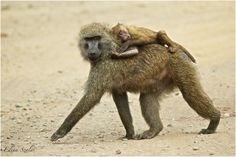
<point x="150" y="111"/>
<point x="184" y="75"/>
<point x="164" y="39"/>
<point x="122" y="104"/>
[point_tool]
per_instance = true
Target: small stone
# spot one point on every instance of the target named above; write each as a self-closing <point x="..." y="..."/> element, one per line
<point x="52" y="121"/>
<point x="118" y="151"/>
<point x="19" y="122"/>
<point x="18" y="105"/>
<point x="13" y="118"/>
<point x="93" y="150"/>
<point x="195" y="141"/>
<point x="211" y="153"/>
<point x="28" y="137"/>
<point x="124" y="139"/>
<point x="33" y="91"/>
<point x="43" y="130"/>
<point x="176" y="93"/>
<point x="25" y="109"/>
<point x="60" y="71"/>
<point x="100" y="136"/>
<point x="169" y="125"/>
<point x="195" y="148"/>
<point x="113" y="133"/>
<point x="46" y="136"/>
<point x="4" y="35"/>
<point x="38" y="116"/>
<point x="226" y="115"/>
<point x="60" y="115"/>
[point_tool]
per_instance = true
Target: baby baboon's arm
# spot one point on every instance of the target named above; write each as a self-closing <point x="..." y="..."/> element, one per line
<point x="129" y="53"/>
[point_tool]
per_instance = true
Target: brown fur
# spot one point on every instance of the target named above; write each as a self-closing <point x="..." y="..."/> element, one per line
<point x="150" y="73"/>
<point x="138" y="36"/>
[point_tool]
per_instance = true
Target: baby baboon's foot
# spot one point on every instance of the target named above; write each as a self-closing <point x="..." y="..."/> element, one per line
<point x="162" y="32"/>
<point x="172" y="49"/>
<point x="206" y="131"/>
<point x="148" y="134"/>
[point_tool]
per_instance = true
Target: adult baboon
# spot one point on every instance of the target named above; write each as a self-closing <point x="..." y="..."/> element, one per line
<point x="152" y="72"/>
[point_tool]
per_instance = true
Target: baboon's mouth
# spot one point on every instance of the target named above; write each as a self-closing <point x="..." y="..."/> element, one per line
<point x="91" y="58"/>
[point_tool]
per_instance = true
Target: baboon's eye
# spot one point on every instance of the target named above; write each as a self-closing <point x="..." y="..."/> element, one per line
<point x="99" y="46"/>
<point x="86" y="45"/>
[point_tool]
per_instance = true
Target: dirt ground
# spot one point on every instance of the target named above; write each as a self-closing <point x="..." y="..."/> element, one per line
<point x="43" y="76"/>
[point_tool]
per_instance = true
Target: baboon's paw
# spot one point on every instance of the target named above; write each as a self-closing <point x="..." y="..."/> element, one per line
<point x="146" y="135"/>
<point x="130" y="136"/>
<point x="56" y="136"/>
<point x="206" y="131"/>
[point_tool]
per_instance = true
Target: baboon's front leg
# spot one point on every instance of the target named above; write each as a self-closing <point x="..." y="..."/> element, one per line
<point x="88" y="101"/>
<point x="122" y="104"/>
<point x="150" y="110"/>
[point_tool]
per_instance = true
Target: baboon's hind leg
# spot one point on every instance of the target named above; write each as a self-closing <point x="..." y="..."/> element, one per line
<point x="150" y="111"/>
<point x="184" y="75"/>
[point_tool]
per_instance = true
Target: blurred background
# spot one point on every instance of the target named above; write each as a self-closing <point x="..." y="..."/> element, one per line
<point x="43" y="76"/>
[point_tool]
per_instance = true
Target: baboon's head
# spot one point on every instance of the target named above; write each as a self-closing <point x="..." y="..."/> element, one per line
<point x="96" y="42"/>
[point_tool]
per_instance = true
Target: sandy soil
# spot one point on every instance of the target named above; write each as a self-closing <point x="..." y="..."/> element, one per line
<point x="43" y="76"/>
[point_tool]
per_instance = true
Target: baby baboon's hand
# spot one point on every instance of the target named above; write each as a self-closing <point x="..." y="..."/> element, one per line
<point x="173" y="49"/>
<point x="115" y="55"/>
<point x="123" y="47"/>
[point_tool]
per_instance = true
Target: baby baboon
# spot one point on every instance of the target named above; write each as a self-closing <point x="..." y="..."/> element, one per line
<point x="150" y="73"/>
<point x="138" y="36"/>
